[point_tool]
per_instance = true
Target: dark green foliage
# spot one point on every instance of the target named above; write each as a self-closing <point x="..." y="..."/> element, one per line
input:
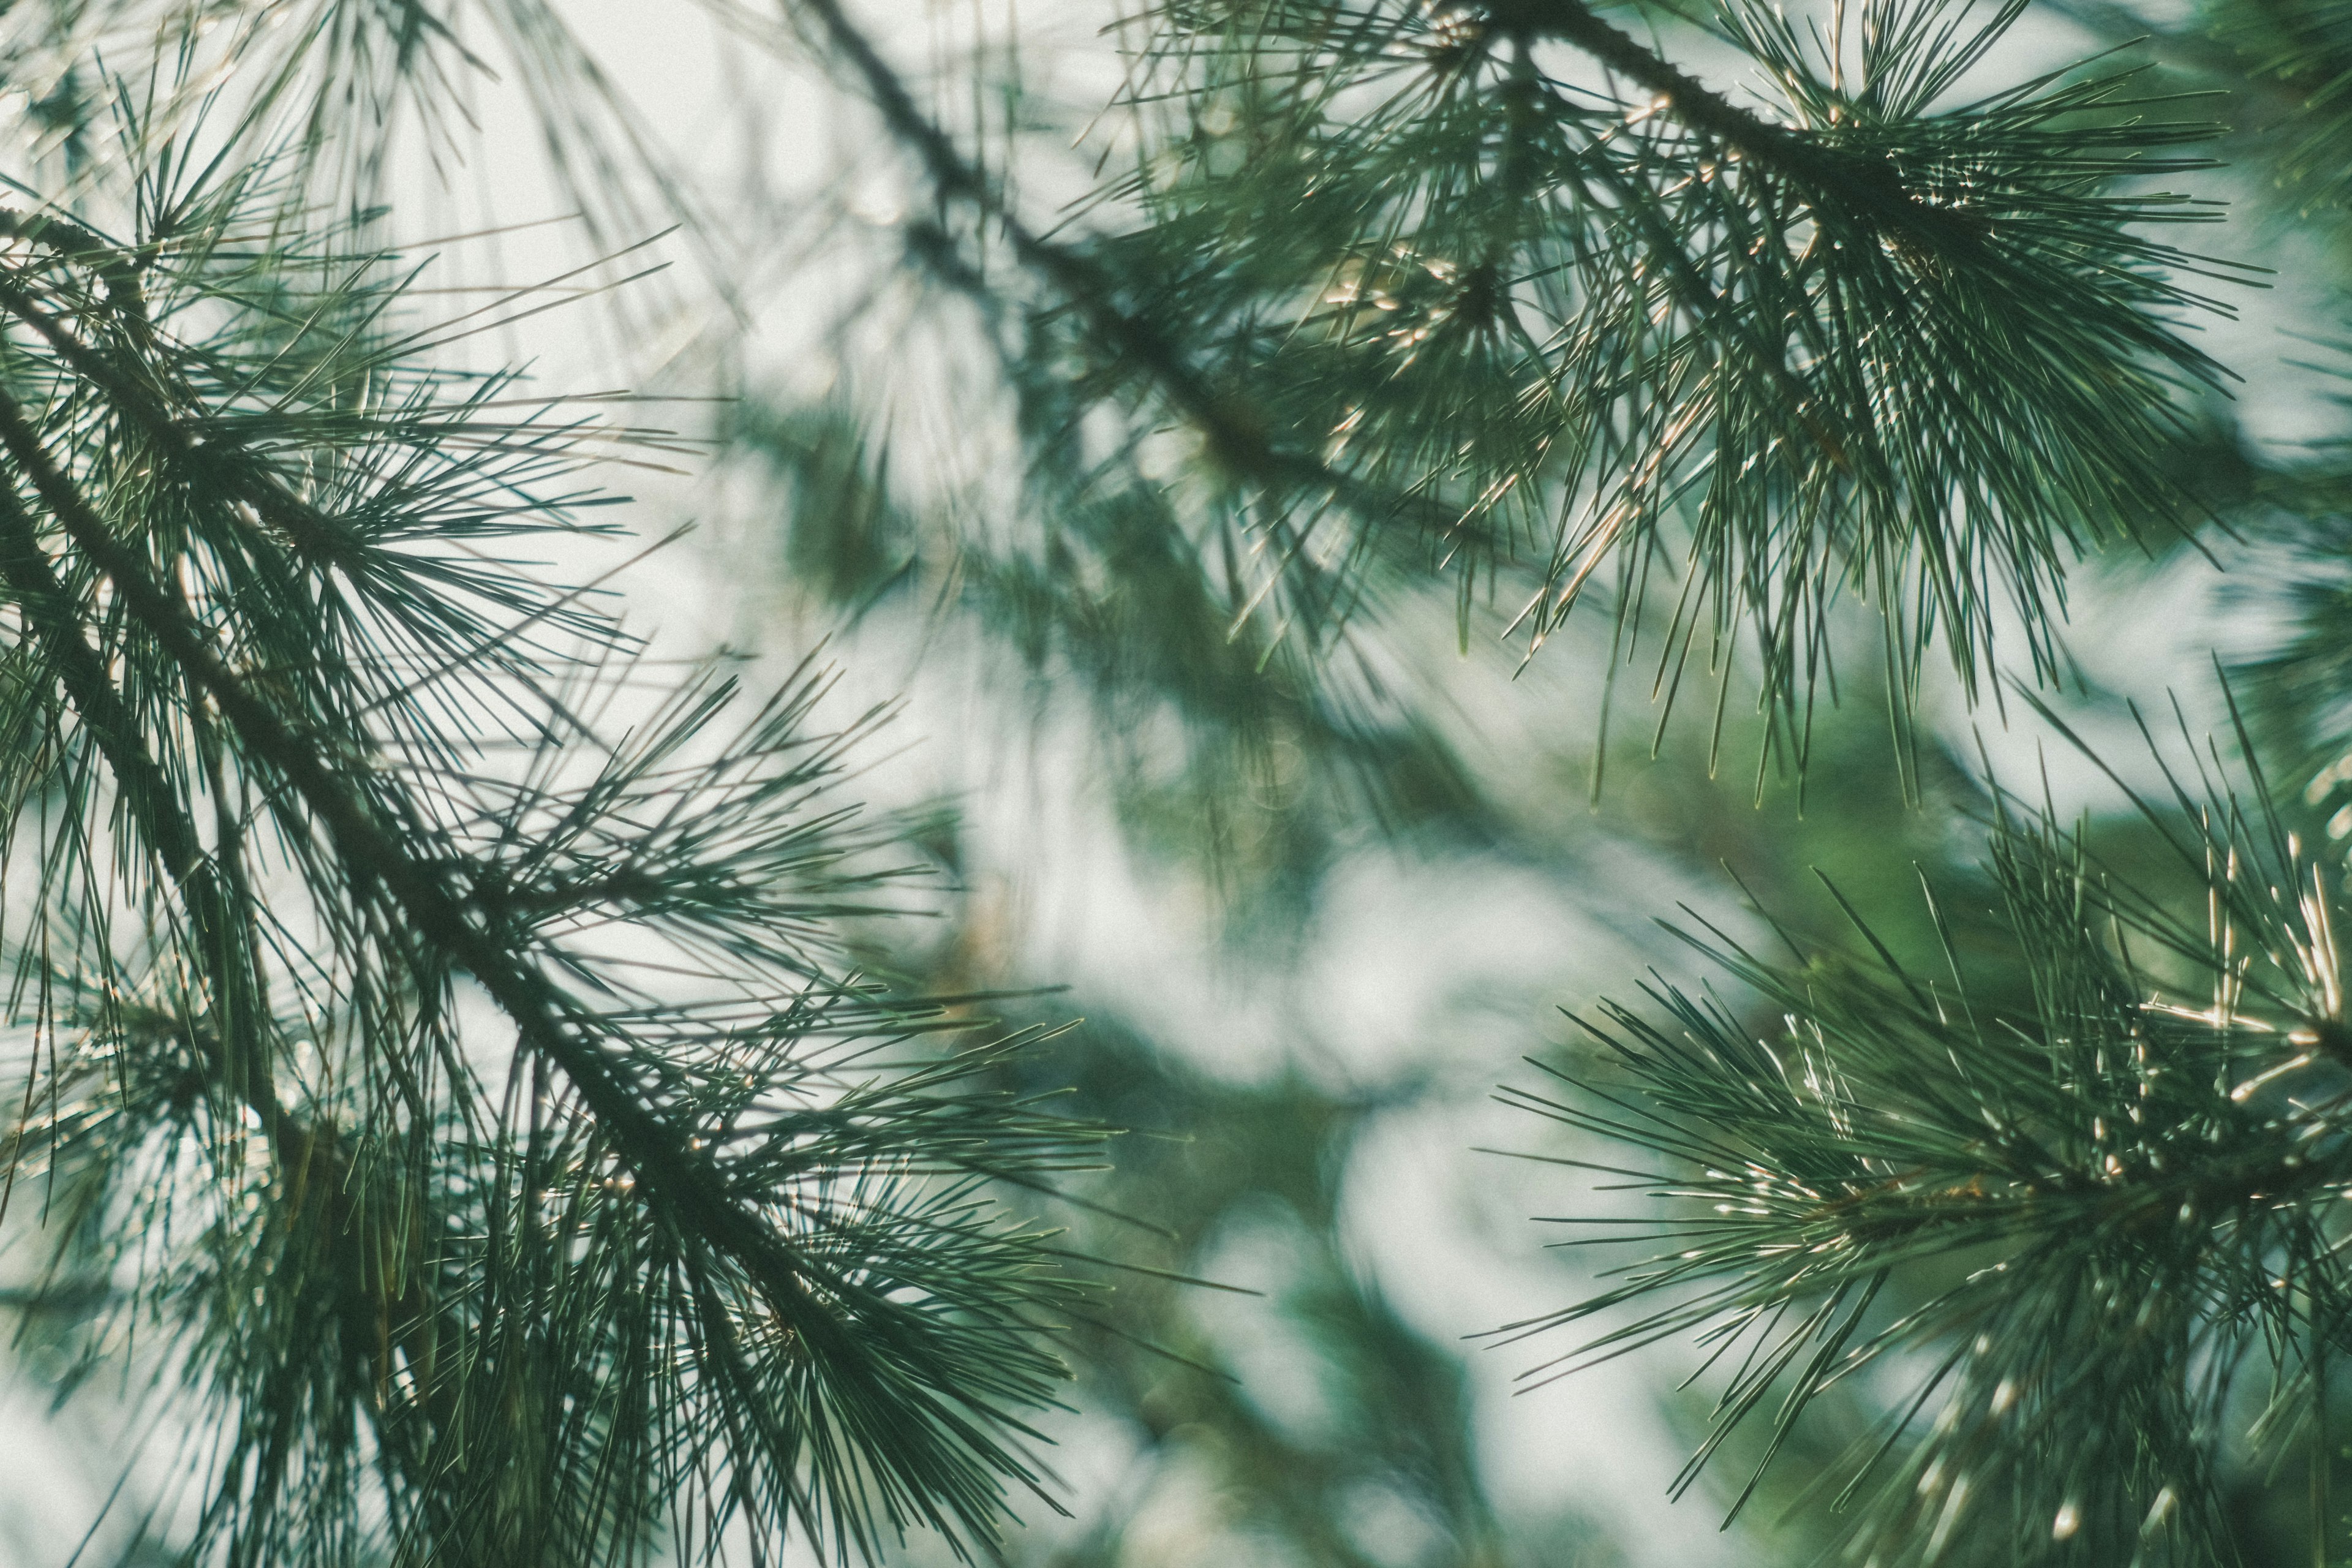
<point x="450" y="1086"/>
<point x="1428" y="298"/>
<point x="299" y="766"/>
<point x="1873" y="341"/>
<point x="2077" y="1223"/>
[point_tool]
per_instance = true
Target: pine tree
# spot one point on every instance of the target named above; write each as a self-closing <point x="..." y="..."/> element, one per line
<point x="711" y="1235"/>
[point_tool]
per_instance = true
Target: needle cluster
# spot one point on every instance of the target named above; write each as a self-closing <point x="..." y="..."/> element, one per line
<point x="2068" y="1237"/>
<point x="441" y="1066"/>
<point x="1509" y="280"/>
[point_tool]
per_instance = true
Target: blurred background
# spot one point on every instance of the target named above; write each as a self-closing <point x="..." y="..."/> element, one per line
<point x="1300" y="914"/>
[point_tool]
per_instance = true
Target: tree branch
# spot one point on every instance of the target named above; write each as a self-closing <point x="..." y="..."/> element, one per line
<point x="170" y="833"/>
<point x="688" y="1184"/>
<point x="1235" y="431"/>
<point x="301" y="523"/>
<point x="308" y="1158"/>
<point x="1819" y="170"/>
<point x="117" y="268"/>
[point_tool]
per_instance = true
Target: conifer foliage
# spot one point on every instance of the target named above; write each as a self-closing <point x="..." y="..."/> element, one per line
<point x="302" y="762"/>
<point x="2127" y="1175"/>
<point x="441" y="1047"/>
<point x="1860" y="337"/>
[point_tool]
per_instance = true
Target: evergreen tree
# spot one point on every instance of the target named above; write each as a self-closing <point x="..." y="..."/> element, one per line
<point x="449" y="1041"/>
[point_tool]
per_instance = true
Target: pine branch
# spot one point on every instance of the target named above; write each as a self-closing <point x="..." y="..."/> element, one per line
<point x="235" y="1041"/>
<point x="126" y="290"/>
<point x="2099" y="1206"/>
<point x="647" y="1236"/>
<point x="274" y="502"/>
<point x="686" y="1187"/>
<point x="374" y="851"/>
<point x="1826" y="171"/>
<point x="1239" y="435"/>
<point x="1491" y="306"/>
<point x="243" y="1067"/>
